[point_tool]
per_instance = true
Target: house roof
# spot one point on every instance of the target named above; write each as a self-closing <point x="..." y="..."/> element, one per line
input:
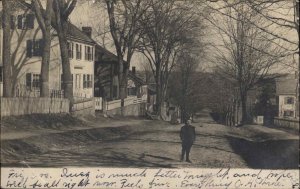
<point x="135" y="78"/>
<point x="104" y="54"/>
<point x="286" y="85"/>
<point x="75" y="33"/>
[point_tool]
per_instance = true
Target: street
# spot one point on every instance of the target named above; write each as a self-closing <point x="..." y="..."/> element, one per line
<point x="131" y="142"/>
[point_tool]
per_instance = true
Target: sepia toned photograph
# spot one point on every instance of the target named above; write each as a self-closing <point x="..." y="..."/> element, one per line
<point x="149" y="84"/>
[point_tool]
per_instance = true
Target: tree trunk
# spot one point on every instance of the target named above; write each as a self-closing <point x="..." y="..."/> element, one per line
<point x="182" y="116"/>
<point x="298" y="74"/>
<point x="121" y="79"/>
<point x="158" y="91"/>
<point x="7" y="84"/>
<point x="44" y="88"/>
<point x="66" y="69"/>
<point x="244" y="107"/>
<point x="122" y="85"/>
<point x="45" y="25"/>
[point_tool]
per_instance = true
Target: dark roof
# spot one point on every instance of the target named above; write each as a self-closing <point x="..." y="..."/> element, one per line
<point x="105" y="55"/>
<point x="286" y="85"/>
<point x="137" y="80"/>
<point x="76" y="34"/>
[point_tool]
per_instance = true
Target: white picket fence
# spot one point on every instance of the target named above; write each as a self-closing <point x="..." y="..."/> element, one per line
<point x="33" y="105"/>
<point x="114" y="104"/>
<point x="98" y="103"/>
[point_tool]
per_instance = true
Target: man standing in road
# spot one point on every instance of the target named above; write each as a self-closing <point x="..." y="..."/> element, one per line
<point x="187" y="136"/>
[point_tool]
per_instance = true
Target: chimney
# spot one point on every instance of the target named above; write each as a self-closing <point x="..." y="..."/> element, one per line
<point x="133" y="70"/>
<point x="87" y="31"/>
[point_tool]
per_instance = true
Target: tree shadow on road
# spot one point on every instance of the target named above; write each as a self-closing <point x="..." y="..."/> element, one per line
<point x="271" y="154"/>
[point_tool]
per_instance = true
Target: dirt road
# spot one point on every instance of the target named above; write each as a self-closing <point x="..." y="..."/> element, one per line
<point x="143" y="143"/>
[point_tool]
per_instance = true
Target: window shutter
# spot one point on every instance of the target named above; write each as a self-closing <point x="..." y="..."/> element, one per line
<point x="30" y="21"/>
<point x="84" y="81"/>
<point x="85" y="53"/>
<point x="91" y="81"/>
<point x="29" y="48"/>
<point x="41" y="47"/>
<point x="28" y="80"/>
<point x="80" y="50"/>
<point x="20" y="24"/>
<point x="12" y="22"/>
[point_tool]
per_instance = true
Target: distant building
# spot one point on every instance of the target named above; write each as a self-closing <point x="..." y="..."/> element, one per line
<point x="288" y="105"/>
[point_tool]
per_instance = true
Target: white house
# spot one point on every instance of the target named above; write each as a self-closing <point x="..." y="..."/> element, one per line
<point x="287" y="100"/>
<point x="26" y="50"/>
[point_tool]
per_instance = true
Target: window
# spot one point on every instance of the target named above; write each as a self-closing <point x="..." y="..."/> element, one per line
<point x="89" y="53"/>
<point x="32" y="81"/>
<point x="78" y="51"/>
<point x="34" y="47"/>
<point x="77" y="81"/>
<point x="289" y="100"/>
<point x="70" y="49"/>
<point x="25" y="21"/>
<point x="87" y="81"/>
<point x="36" y="81"/>
<point x="288" y="113"/>
<point x="90" y="81"/>
<point x="84" y="81"/>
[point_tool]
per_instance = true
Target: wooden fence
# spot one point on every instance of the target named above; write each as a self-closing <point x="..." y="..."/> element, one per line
<point x="84" y="106"/>
<point x="287" y="123"/>
<point x="130" y="100"/>
<point x="29" y="105"/>
<point x="98" y="103"/>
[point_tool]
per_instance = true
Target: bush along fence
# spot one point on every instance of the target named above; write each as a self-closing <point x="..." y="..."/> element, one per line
<point x="29" y="105"/>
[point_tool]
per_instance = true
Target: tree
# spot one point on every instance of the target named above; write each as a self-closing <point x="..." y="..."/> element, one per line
<point x="18" y="58"/>
<point x="222" y="98"/>
<point x="62" y="10"/>
<point x="147" y="72"/>
<point x="183" y="84"/>
<point x="166" y="25"/>
<point x="246" y="54"/>
<point x="44" y="20"/>
<point x="123" y="21"/>
<point x="280" y="20"/>
<point x="6" y="58"/>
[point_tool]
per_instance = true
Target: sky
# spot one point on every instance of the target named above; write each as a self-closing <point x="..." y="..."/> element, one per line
<point x="87" y="13"/>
